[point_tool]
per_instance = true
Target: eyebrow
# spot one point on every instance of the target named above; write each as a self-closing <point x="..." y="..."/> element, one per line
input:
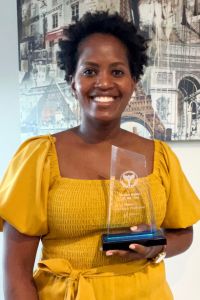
<point x="115" y="64"/>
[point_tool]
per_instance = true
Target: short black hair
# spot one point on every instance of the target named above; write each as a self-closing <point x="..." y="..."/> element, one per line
<point x="102" y="22"/>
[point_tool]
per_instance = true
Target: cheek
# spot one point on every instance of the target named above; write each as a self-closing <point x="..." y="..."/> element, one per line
<point x="81" y="87"/>
<point x="128" y="88"/>
<point x="128" y="82"/>
<point x="78" y="86"/>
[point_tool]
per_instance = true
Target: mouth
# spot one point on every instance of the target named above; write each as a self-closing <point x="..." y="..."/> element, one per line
<point x="104" y="99"/>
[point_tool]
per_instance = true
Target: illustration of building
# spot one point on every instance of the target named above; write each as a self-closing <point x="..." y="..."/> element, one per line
<point x="169" y="98"/>
<point x="142" y="118"/>
<point x="40" y="27"/>
<point x="173" y="77"/>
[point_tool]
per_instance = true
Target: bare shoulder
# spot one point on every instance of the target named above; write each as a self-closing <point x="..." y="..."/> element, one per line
<point x="64" y="134"/>
<point x="67" y="137"/>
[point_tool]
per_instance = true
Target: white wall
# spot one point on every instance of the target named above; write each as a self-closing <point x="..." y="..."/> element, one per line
<point x="183" y="272"/>
<point x="9" y="104"/>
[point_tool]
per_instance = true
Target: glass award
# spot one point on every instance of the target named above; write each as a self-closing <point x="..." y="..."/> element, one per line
<point x="130" y="204"/>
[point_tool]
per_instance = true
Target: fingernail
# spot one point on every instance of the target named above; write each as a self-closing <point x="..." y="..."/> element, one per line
<point x="108" y="253"/>
<point x="132" y="247"/>
<point x="134" y="228"/>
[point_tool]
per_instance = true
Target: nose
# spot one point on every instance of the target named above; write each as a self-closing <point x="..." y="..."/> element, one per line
<point x="104" y="80"/>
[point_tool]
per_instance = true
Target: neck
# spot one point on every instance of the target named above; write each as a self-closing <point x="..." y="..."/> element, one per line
<point x="94" y="132"/>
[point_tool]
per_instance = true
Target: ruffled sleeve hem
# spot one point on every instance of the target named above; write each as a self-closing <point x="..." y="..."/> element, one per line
<point x="183" y="205"/>
<point x="24" y="188"/>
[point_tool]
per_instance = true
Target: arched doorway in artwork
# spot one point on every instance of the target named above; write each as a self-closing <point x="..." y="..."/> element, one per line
<point x="136" y="125"/>
<point x="187" y="105"/>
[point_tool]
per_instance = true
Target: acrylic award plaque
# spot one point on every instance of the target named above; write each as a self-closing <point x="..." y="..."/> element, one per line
<point x="130" y="204"/>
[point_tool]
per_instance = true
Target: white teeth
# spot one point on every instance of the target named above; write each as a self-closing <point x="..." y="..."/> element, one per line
<point x="104" y="99"/>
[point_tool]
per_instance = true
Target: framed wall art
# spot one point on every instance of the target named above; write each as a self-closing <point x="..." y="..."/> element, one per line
<point x="166" y="104"/>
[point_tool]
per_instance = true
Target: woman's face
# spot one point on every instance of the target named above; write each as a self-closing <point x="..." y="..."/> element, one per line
<point x="102" y="82"/>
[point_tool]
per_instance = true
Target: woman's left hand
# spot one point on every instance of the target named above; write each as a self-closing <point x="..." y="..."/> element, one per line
<point x="137" y="251"/>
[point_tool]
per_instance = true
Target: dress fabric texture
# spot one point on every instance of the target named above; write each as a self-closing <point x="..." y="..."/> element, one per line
<point x="70" y="216"/>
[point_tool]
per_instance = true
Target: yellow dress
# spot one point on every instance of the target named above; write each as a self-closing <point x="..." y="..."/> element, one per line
<point x="70" y="216"/>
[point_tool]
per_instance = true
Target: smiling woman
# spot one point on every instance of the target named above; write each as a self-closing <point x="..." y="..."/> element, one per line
<point x="59" y="184"/>
<point x="102" y="82"/>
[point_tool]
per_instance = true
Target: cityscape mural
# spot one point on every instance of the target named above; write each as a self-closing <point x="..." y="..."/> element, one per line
<point x="166" y="103"/>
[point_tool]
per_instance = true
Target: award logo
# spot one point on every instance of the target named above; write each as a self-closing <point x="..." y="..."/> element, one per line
<point x="129" y="179"/>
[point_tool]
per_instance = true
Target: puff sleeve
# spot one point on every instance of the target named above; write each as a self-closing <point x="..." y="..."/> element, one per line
<point x="183" y="205"/>
<point x="24" y="188"/>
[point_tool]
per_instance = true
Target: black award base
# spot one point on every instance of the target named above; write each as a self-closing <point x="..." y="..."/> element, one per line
<point x="121" y="241"/>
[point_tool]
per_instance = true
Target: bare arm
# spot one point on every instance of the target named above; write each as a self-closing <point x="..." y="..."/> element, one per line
<point x="178" y="240"/>
<point x="19" y="257"/>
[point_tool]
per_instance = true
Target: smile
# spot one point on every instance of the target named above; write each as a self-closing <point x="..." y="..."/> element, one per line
<point x="103" y="99"/>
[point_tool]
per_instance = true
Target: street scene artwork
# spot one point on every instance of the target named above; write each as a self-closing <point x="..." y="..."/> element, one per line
<point x="166" y="103"/>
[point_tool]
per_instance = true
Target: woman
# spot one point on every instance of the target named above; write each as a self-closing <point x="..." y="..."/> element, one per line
<point x="56" y="187"/>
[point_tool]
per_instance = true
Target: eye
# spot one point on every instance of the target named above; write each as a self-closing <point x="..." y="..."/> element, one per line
<point x="89" y="72"/>
<point x="117" y="73"/>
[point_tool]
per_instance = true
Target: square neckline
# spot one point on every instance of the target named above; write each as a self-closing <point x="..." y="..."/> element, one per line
<point x="55" y="155"/>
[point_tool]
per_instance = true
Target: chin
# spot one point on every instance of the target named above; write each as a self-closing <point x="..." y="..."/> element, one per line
<point x="106" y="119"/>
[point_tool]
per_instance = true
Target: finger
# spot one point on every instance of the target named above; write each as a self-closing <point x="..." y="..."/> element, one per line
<point x="147" y="252"/>
<point x="117" y="252"/>
<point x="140" y="249"/>
<point x="129" y="255"/>
<point x="140" y="227"/>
